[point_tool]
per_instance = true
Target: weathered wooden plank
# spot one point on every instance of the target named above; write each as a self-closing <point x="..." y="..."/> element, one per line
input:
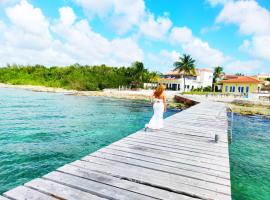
<point x="165" y="162"/>
<point x="188" y="140"/>
<point x="223" y="164"/>
<point x="176" y="146"/>
<point x="184" y="153"/>
<point x="60" y="191"/>
<point x="124" y="184"/>
<point x="169" y="157"/>
<point x="157" y="172"/>
<point x="154" y="179"/>
<point x="94" y="187"/>
<point x="24" y="193"/>
<point x="159" y="167"/>
<point x="180" y="144"/>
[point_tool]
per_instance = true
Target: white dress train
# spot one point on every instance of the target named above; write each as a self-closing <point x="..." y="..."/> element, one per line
<point x="156" y="121"/>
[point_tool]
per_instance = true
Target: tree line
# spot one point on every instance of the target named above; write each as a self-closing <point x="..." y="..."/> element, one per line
<point x="78" y="77"/>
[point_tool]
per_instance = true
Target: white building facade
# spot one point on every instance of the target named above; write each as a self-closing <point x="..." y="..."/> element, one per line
<point x="175" y="80"/>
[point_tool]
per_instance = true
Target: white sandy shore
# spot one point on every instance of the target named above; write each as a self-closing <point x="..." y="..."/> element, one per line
<point x="114" y="93"/>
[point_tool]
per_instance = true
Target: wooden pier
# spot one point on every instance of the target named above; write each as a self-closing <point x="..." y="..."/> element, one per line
<point x="180" y="162"/>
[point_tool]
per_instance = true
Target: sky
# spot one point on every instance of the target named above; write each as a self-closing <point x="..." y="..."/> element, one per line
<point x="233" y="34"/>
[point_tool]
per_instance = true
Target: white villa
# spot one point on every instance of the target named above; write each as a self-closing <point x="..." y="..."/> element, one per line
<point x="175" y="81"/>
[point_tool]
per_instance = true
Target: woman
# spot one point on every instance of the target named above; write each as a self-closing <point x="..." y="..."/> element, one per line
<point x="159" y="107"/>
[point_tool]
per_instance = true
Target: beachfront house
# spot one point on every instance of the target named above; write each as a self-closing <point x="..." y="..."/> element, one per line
<point x="241" y="85"/>
<point x="175" y="80"/>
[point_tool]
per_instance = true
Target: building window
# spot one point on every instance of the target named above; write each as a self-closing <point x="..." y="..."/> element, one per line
<point x="187" y="86"/>
<point x="233" y="88"/>
<point x="239" y="89"/>
<point x="247" y="89"/>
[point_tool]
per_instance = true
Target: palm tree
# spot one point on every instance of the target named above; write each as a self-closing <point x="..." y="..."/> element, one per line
<point x="186" y="65"/>
<point x="218" y="71"/>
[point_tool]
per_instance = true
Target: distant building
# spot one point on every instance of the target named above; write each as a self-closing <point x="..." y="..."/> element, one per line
<point x="241" y="85"/>
<point x="262" y="76"/>
<point x="175" y="80"/>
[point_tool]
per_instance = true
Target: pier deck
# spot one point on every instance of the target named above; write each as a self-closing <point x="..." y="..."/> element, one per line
<point x="180" y="162"/>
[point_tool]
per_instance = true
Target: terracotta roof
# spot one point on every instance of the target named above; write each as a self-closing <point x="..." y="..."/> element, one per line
<point x="242" y="79"/>
<point x="228" y="76"/>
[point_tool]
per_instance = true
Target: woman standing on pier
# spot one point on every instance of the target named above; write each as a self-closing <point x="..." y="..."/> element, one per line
<point x="159" y="106"/>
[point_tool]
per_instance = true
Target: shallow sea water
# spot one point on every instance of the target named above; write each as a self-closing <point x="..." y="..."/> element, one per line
<point x="250" y="158"/>
<point x="40" y="132"/>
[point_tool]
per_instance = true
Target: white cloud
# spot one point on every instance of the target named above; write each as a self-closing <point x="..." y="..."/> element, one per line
<point x="89" y="47"/>
<point x="67" y="15"/>
<point x="247" y="67"/>
<point x="248" y="15"/>
<point x="216" y="2"/>
<point x="126" y="15"/>
<point x="156" y="29"/>
<point x="122" y="15"/>
<point x="181" y="35"/>
<point x="30" y="40"/>
<point x="198" y="49"/>
<point x="163" y="61"/>
<point x="253" y="20"/>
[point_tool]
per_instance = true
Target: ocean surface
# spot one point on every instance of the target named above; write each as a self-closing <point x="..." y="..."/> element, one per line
<point x="40" y="132"/>
<point x="250" y="158"/>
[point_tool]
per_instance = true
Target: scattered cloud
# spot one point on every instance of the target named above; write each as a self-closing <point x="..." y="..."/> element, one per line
<point x="163" y="61"/>
<point x="252" y="20"/>
<point x="247" y="67"/>
<point x="121" y="15"/>
<point x="29" y="40"/>
<point x="156" y="29"/>
<point x="208" y="29"/>
<point x="200" y="50"/>
<point x="126" y="15"/>
<point x="217" y="2"/>
<point x="67" y="15"/>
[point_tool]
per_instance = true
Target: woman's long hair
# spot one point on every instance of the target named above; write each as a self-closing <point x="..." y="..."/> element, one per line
<point x="159" y="90"/>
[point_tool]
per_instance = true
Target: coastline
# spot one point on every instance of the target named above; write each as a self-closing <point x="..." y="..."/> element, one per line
<point x="239" y="107"/>
<point x="242" y="107"/>
<point x="138" y="95"/>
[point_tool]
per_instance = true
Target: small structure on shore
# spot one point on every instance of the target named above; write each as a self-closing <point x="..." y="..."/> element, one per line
<point x="242" y="84"/>
<point x="175" y="80"/>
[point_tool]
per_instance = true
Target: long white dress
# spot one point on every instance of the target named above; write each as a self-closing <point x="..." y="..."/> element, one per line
<point x="156" y="121"/>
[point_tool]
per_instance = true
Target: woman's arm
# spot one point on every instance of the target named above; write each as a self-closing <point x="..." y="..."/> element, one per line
<point x="165" y="103"/>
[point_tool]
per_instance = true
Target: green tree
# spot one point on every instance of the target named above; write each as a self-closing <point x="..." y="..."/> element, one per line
<point x="239" y="74"/>
<point x="137" y="74"/>
<point x="218" y="71"/>
<point x="186" y="65"/>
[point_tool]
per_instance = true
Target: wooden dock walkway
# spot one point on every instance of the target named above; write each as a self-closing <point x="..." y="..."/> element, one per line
<point x="180" y="162"/>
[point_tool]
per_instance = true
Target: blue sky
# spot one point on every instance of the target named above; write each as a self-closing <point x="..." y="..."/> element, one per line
<point x="234" y="34"/>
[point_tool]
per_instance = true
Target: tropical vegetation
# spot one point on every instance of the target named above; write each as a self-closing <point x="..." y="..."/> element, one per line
<point x="218" y="71"/>
<point x="78" y="77"/>
<point x="185" y="65"/>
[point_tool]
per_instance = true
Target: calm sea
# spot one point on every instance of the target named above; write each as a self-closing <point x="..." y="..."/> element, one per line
<point x="250" y="158"/>
<point x="40" y="132"/>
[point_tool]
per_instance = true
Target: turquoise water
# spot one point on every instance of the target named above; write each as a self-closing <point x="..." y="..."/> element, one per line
<point x="41" y="131"/>
<point x="250" y="158"/>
